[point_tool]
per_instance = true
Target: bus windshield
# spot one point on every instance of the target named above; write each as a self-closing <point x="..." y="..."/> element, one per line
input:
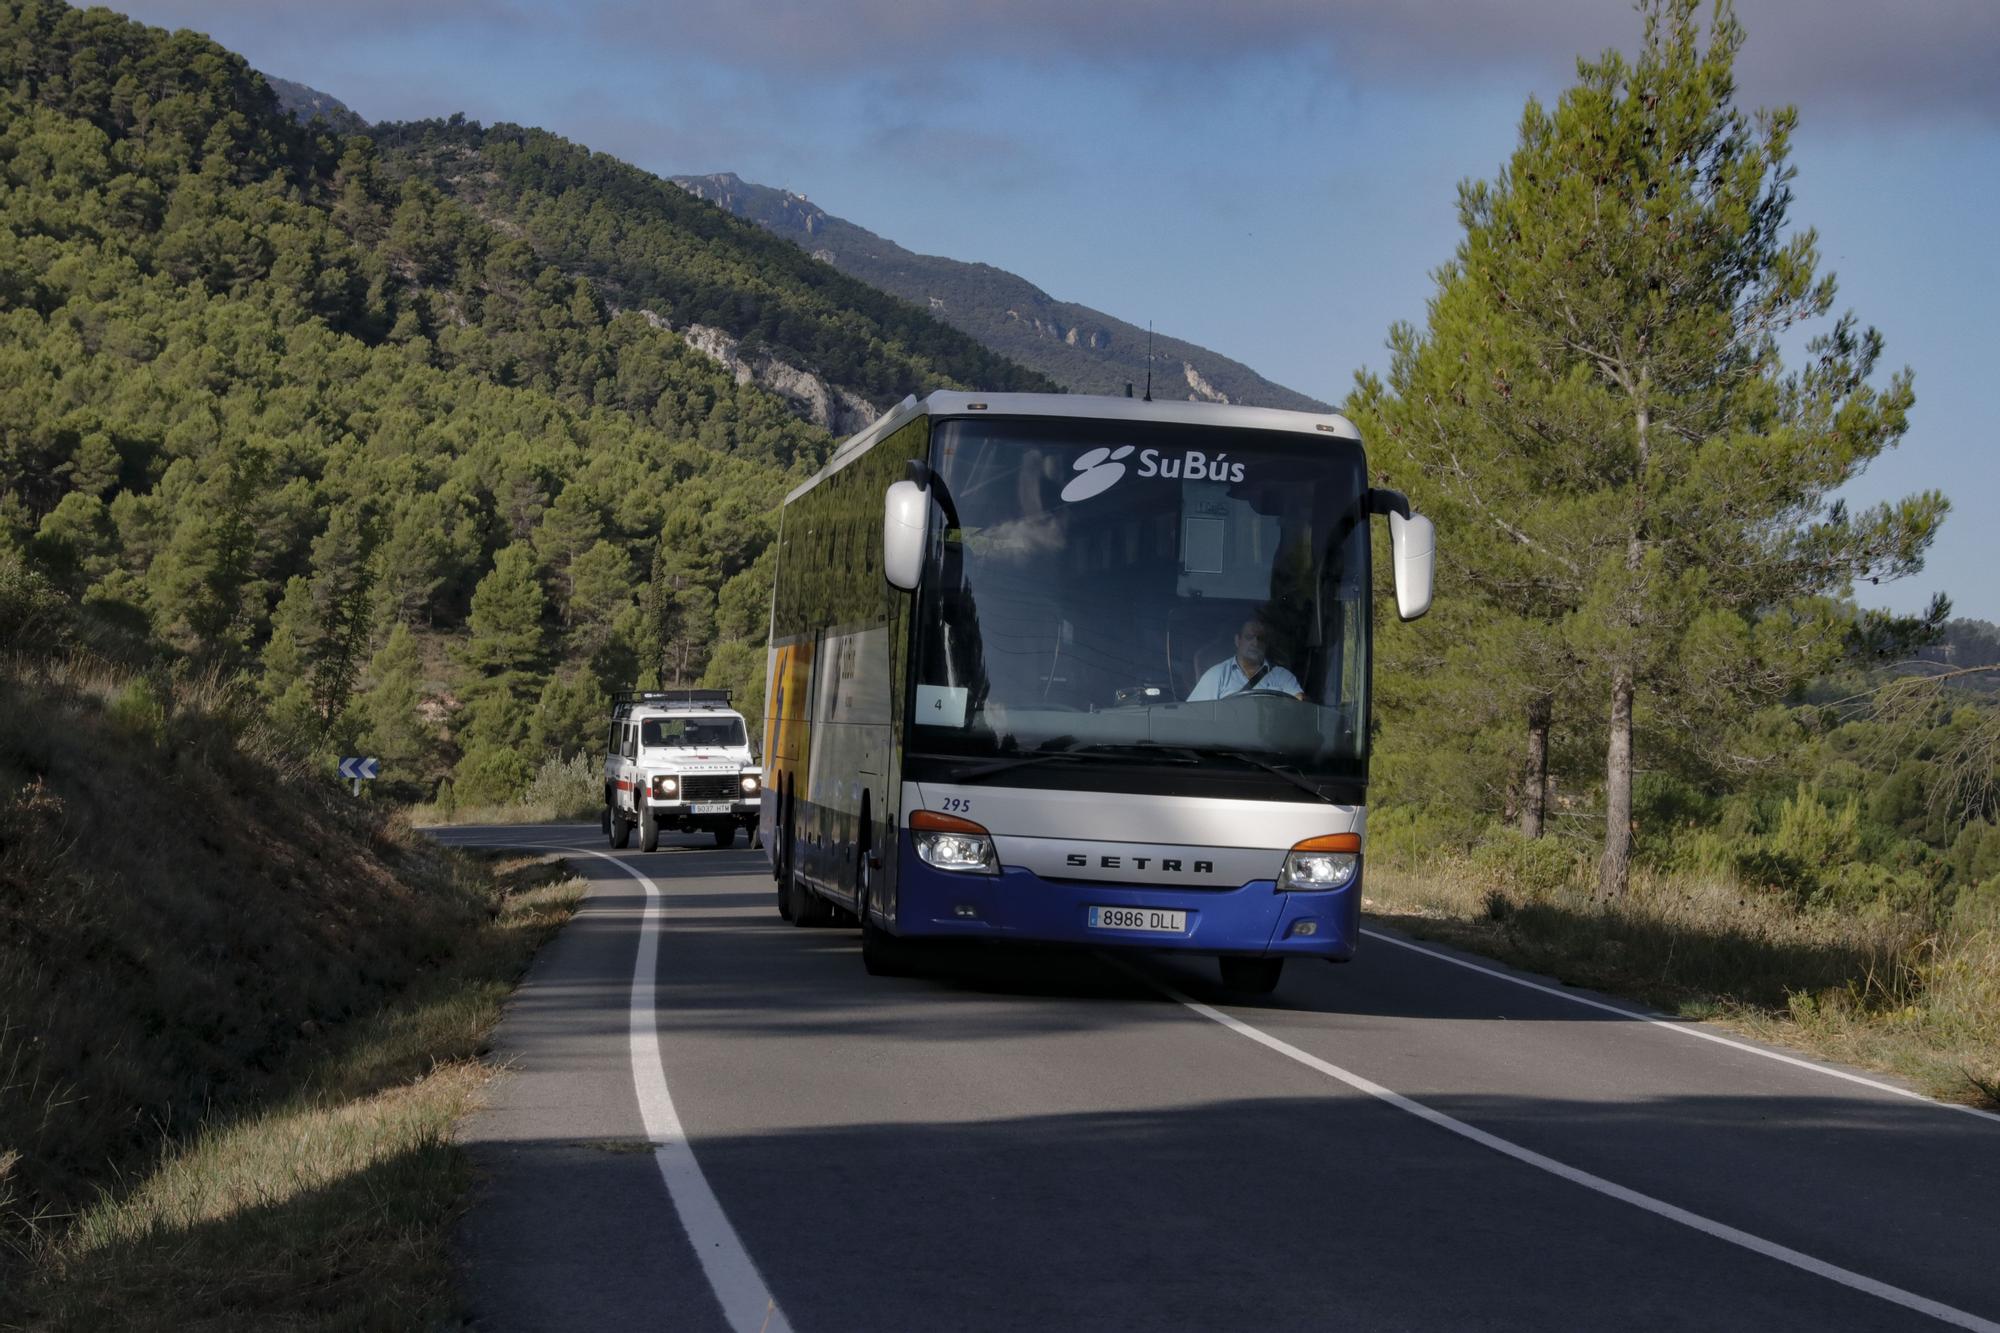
<point x="1115" y="588"/>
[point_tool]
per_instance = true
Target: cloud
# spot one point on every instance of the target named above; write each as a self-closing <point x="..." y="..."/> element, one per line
<point x="1916" y="58"/>
<point x="1837" y="59"/>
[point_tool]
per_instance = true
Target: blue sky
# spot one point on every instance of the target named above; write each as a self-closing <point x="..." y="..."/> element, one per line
<point x="1274" y="179"/>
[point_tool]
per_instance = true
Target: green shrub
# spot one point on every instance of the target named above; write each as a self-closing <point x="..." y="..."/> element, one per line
<point x="1664" y="806"/>
<point x="1410" y="836"/>
<point x="491" y="775"/>
<point x="34" y="615"/>
<point x="569" y="788"/>
<point x="139" y="711"/>
<point x="1528" y="867"/>
<point x="1975" y="854"/>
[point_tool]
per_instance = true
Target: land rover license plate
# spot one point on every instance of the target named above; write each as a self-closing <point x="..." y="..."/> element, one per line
<point x="712" y="808"/>
<point x="1164" y="920"/>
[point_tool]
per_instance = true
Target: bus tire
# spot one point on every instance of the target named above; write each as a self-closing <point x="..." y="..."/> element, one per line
<point x="649" y="828"/>
<point x="782" y="862"/>
<point x="883" y="954"/>
<point x="1251" y="976"/>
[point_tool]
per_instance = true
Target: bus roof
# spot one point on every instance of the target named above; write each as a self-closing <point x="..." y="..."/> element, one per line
<point x="1097" y="407"/>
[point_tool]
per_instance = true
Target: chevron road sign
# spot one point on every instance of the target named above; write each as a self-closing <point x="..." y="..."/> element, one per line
<point x="357" y="769"/>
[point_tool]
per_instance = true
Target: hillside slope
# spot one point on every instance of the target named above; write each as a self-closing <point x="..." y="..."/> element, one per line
<point x="1084" y="350"/>
<point x="432" y="438"/>
<point x="740" y="293"/>
<point x="305" y="104"/>
<point x="181" y="913"/>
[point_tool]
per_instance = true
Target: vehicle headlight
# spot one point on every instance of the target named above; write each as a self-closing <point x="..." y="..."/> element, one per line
<point x="949" y="843"/>
<point x="750" y="784"/>
<point x="1318" y="864"/>
<point x="665" y="787"/>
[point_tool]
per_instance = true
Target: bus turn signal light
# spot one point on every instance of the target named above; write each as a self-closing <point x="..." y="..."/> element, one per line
<point x="1330" y="861"/>
<point x="950" y="843"/>
<point x="930" y="821"/>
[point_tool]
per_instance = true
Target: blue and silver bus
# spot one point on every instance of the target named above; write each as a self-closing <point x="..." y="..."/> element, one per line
<point x="1080" y="670"/>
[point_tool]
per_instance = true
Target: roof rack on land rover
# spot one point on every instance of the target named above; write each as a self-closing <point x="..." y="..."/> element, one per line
<point x="698" y="698"/>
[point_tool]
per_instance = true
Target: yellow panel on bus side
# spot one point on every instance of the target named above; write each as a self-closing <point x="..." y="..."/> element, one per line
<point x="786" y="735"/>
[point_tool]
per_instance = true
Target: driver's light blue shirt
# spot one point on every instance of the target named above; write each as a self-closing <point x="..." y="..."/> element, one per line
<point x="1226" y="678"/>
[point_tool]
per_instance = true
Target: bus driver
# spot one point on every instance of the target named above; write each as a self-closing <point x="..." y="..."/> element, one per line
<point x="1250" y="669"/>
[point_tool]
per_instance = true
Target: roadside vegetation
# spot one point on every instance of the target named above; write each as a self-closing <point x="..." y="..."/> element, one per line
<point x="1647" y="741"/>
<point x="1915" y="994"/>
<point x="242" y="1011"/>
<point x="561" y="790"/>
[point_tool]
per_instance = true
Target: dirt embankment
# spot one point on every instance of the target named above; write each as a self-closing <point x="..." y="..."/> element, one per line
<point x="184" y="916"/>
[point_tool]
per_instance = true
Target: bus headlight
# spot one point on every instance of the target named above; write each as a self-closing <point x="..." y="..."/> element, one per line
<point x="949" y="843"/>
<point x="1318" y="864"/>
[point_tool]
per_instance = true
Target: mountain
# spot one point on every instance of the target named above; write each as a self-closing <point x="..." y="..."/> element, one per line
<point x="418" y="440"/>
<point x="1084" y="350"/>
<point x="839" y="348"/>
<point x="305" y="105"/>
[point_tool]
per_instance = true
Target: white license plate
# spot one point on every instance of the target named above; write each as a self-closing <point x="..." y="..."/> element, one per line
<point x="712" y="808"/>
<point x="1163" y="920"/>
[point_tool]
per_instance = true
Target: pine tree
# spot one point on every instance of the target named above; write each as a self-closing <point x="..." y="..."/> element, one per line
<point x="569" y="717"/>
<point x="286" y="682"/>
<point x="395" y="728"/>
<point x="1644" y="461"/>
<point x="343" y="611"/>
<point x="506" y="617"/>
<point x="570" y="526"/>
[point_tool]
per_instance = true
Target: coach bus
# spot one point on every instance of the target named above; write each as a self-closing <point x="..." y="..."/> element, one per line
<point x="1080" y="670"/>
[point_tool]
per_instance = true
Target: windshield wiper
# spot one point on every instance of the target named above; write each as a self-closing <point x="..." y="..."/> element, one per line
<point x="1066" y="747"/>
<point x="1291" y="775"/>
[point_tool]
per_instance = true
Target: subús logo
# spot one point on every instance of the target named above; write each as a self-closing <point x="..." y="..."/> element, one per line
<point x="1100" y="469"/>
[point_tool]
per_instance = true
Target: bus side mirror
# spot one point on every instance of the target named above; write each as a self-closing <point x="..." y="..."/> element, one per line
<point x="904" y="509"/>
<point x="1413" y="556"/>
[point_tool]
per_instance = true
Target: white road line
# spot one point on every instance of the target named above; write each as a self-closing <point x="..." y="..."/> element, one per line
<point x="1909" y="1300"/>
<point x="1680" y="1028"/>
<point x="746" y="1302"/>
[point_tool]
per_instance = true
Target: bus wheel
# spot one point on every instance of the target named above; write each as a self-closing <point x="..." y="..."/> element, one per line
<point x="1252" y="976"/>
<point x="802" y="907"/>
<point x="783" y="862"/>
<point x="883" y="954"/>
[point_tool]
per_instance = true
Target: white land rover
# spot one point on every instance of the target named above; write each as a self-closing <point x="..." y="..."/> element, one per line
<point x="679" y="759"/>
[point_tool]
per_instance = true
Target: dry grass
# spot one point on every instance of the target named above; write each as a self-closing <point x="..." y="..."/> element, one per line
<point x="1879" y="990"/>
<point x="331" y="1207"/>
<point x="240" y="1014"/>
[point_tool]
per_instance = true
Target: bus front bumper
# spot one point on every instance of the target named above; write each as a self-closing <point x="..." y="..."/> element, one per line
<point x="1019" y="905"/>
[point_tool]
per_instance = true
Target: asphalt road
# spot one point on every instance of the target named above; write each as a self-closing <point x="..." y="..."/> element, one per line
<point x="716" y="1120"/>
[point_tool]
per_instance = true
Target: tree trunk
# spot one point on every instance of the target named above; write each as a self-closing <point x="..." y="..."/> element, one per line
<point x="1614" y="872"/>
<point x="1535" y="778"/>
